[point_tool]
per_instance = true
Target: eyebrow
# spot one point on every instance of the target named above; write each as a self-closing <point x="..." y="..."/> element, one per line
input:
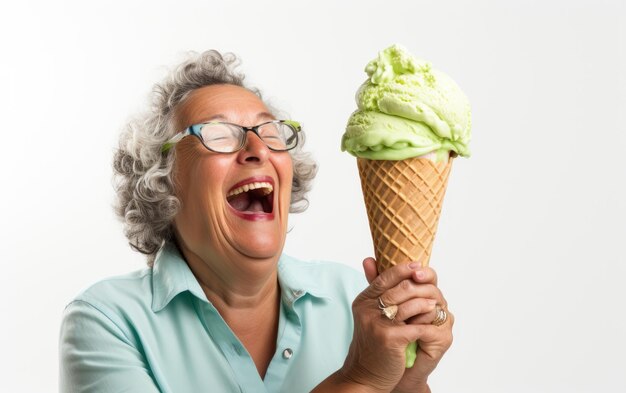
<point x="265" y="115"/>
<point x="221" y="117"/>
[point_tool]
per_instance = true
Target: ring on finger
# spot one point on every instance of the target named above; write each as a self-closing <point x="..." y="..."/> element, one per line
<point x="381" y="304"/>
<point x="441" y="318"/>
<point x="390" y="312"/>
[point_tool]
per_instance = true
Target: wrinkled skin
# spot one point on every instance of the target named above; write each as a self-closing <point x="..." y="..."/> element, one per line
<point x="376" y="359"/>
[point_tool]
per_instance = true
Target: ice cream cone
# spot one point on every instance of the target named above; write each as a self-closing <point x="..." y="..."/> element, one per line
<point x="410" y="121"/>
<point x="403" y="201"/>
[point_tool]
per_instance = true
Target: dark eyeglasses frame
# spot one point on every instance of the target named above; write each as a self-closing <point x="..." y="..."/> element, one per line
<point x="194" y="130"/>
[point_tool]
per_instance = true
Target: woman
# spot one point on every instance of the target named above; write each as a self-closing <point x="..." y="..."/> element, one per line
<point x="206" y="180"/>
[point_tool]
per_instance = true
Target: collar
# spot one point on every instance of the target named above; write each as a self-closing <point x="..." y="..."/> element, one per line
<point x="171" y="276"/>
<point x="297" y="278"/>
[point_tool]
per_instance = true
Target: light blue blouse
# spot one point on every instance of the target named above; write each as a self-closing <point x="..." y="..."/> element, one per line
<point x="155" y="331"/>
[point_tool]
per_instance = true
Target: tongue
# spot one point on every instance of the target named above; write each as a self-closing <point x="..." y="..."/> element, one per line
<point x="243" y="202"/>
<point x="240" y="201"/>
<point x="255" y="206"/>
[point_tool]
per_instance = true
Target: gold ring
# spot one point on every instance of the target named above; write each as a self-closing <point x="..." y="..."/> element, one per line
<point x="390" y="312"/>
<point x="381" y="304"/>
<point x="441" y="318"/>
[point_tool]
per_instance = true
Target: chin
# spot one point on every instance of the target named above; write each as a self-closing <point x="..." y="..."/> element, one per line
<point x="257" y="238"/>
<point x="262" y="247"/>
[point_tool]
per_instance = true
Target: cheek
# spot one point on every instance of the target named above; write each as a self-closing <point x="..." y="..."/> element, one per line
<point x="187" y="155"/>
<point x="284" y="168"/>
<point x="203" y="208"/>
<point x="206" y="185"/>
<point x="199" y="183"/>
<point x="285" y="171"/>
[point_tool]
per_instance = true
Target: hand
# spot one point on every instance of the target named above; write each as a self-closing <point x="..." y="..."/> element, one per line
<point x="433" y="341"/>
<point x="376" y="358"/>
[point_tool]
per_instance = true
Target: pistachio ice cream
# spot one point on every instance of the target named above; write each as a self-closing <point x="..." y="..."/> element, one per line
<point x="407" y="109"/>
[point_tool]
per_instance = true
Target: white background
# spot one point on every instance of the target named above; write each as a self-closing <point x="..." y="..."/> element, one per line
<point x="530" y="249"/>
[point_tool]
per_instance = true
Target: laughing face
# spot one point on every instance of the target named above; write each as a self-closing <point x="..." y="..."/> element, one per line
<point x="234" y="206"/>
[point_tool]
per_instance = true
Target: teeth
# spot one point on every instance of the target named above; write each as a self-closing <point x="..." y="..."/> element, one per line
<point x="267" y="188"/>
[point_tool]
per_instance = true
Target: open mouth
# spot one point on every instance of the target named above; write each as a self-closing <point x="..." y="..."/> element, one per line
<point x="254" y="197"/>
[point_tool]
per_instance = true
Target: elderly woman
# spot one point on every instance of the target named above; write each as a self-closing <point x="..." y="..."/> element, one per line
<point x="206" y="180"/>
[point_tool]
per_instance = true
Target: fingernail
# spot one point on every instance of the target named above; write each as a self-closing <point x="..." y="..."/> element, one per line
<point x="420" y="275"/>
<point x="413" y="265"/>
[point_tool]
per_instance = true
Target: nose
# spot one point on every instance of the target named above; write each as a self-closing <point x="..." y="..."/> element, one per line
<point x="255" y="150"/>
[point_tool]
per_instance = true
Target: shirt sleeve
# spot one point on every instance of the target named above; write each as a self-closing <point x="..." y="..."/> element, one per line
<point x="96" y="355"/>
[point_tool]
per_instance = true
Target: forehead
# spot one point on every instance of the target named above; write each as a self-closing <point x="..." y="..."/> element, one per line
<point x="231" y="103"/>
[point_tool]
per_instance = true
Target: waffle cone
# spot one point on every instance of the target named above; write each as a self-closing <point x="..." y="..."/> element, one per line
<point x="403" y="201"/>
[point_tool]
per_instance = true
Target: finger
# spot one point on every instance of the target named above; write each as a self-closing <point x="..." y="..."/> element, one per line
<point x="389" y="278"/>
<point x="425" y="318"/>
<point x="408" y="289"/>
<point x="427" y="333"/>
<point x="428" y="317"/>
<point x="369" y="266"/>
<point x="425" y="275"/>
<point x="415" y="308"/>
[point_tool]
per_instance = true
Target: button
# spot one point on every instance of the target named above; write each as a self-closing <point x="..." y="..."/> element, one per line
<point x="287" y="353"/>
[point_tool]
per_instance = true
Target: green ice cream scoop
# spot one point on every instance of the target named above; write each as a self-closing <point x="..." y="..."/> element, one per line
<point x="407" y="109"/>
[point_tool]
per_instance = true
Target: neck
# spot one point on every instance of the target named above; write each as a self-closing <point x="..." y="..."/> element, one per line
<point x="247" y="295"/>
<point x="240" y="284"/>
<point x="242" y="297"/>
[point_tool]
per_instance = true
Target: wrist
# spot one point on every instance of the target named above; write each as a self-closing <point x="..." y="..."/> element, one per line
<point x="424" y="388"/>
<point x="352" y="384"/>
<point x="419" y="388"/>
<point x="339" y="382"/>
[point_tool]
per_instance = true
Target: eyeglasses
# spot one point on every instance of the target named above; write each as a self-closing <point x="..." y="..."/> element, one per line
<point x="220" y="137"/>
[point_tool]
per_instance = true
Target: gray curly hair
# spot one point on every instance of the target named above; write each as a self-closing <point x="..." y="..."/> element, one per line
<point x="146" y="200"/>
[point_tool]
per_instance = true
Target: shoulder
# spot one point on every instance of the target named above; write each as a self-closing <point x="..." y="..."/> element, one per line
<point x="115" y="297"/>
<point x="100" y="345"/>
<point x="136" y="285"/>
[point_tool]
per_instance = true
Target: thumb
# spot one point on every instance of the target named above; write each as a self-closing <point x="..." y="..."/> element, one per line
<point x="369" y="266"/>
